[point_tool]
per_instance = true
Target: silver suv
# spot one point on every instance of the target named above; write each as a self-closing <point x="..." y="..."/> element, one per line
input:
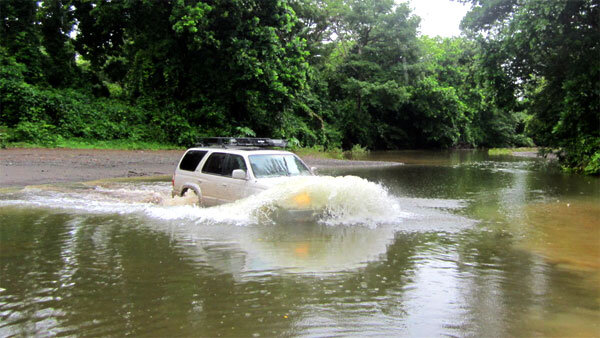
<point x="228" y="169"/>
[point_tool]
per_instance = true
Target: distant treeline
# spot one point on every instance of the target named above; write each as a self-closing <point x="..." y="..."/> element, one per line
<point x="330" y="73"/>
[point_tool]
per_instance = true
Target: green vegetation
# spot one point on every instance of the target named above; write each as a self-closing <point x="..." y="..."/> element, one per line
<point x="510" y="151"/>
<point x="358" y="152"/>
<point x="548" y="51"/>
<point x="319" y="151"/>
<point x="325" y="74"/>
<point x="98" y="144"/>
<point x="500" y="151"/>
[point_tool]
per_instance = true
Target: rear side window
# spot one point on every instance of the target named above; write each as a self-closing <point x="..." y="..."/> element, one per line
<point x="223" y="164"/>
<point x="191" y="159"/>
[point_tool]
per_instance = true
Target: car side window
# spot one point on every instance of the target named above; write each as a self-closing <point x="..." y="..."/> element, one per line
<point x="234" y="162"/>
<point x="191" y="159"/>
<point x="223" y="164"/>
<point x="214" y="164"/>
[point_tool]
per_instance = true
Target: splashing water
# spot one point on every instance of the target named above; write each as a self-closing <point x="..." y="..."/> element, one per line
<point x="347" y="200"/>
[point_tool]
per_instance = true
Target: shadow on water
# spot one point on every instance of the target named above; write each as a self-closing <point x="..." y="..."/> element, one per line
<point x="477" y="247"/>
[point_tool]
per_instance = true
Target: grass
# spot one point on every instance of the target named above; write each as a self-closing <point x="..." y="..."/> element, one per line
<point x="318" y="151"/>
<point x="510" y="151"/>
<point x="357" y="152"/>
<point x="96" y="144"/>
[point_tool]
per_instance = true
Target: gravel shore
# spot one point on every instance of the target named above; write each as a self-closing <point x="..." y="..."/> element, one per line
<point x="22" y="167"/>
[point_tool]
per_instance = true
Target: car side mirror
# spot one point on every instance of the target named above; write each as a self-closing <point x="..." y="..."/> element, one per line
<point x="313" y="169"/>
<point x="238" y="174"/>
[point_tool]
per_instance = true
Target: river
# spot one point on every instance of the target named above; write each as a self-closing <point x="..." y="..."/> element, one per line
<point x="452" y="243"/>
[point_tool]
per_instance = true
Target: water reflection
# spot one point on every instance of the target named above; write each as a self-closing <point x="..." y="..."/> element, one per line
<point x="485" y="248"/>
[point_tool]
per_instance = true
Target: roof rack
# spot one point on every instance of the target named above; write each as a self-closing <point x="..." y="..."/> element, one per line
<point x="241" y="142"/>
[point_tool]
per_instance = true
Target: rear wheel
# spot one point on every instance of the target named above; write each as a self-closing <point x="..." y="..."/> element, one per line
<point x="193" y="196"/>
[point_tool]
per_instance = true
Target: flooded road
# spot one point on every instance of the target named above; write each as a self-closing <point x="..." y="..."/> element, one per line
<point x="452" y="243"/>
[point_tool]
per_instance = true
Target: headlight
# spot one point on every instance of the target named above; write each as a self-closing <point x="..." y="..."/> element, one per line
<point x="302" y="200"/>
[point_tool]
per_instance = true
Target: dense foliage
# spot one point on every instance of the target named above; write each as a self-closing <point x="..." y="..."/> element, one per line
<point x="550" y="52"/>
<point x="332" y="73"/>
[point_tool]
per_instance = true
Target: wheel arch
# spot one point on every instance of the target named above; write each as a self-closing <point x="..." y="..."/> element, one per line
<point x="195" y="188"/>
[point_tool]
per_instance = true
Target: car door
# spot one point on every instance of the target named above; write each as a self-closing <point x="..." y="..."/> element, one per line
<point x="212" y="181"/>
<point x="236" y="188"/>
<point x="217" y="184"/>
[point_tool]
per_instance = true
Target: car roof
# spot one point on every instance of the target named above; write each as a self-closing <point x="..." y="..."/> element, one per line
<point x="242" y="151"/>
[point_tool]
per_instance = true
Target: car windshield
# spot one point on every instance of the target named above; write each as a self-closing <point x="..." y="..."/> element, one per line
<point x="277" y="165"/>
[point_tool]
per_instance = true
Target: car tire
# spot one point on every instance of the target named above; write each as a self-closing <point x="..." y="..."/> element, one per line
<point x="197" y="197"/>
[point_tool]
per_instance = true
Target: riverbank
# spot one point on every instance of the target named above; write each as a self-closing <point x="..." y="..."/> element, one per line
<point x="32" y="166"/>
<point x="521" y="152"/>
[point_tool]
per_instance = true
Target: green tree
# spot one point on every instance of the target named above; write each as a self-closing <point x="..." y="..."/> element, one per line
<point x="20" y="35"/>
<point x="550" y="51"/>
<point x="57" y="21"/>
<point x="371" y="68"/>
<point x="440" y="97"/>
<point x="216" y="64"/>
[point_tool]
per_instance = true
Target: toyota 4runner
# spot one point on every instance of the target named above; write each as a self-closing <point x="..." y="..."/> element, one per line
<point x="223" y="170"/>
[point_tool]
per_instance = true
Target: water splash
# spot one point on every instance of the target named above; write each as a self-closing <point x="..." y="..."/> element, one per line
<point x="347" y="200"/>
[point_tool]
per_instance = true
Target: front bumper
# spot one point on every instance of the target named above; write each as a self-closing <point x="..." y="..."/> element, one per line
<point x="295" y="215"/>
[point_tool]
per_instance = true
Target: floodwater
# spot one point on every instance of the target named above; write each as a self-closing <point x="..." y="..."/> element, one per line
<point x="452" y="243"/>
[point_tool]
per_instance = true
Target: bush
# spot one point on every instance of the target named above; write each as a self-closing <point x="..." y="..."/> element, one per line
<point x="4" y="137"/>
<point x="40" y="133"/>
<point x="593" y="165"/>
<point x="582" y="155"/>
<point x="319" y="151"/>
<point x="522" y="141"/>
<point x="358" y="151"/>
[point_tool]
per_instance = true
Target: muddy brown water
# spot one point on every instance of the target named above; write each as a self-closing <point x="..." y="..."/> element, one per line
<point x="452" y="243"/>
